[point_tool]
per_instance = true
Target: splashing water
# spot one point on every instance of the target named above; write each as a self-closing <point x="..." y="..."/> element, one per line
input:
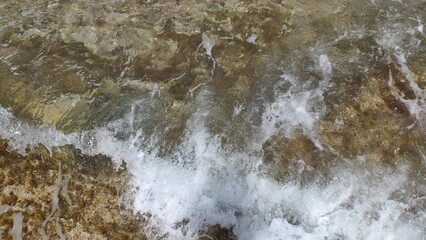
<point x="215" y="171"/>
<point x="209" y="185"/>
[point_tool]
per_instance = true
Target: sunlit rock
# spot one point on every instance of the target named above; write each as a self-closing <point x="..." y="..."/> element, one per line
<point x="376" y="124"/>
<point x="236" y="119"/>
<point x="86" y="205"/>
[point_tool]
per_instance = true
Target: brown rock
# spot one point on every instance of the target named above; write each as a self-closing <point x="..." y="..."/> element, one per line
<point x="86" y="190"/>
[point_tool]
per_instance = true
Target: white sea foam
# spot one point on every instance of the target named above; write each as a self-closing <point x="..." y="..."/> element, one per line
<point x="252" y="39"/>
<point x="298" y="104"/>
<point x="398" y="40"/>
<point x="218" y="187"/>
<point x="208" y="44"/>
<point x="202" y="183"/>
<point x="205" y="184"/>
<point x="20" y="134"/>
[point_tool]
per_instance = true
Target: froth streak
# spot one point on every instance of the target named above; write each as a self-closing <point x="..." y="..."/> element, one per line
<point x="210" y="176"/>
<point x="356" y="201"/>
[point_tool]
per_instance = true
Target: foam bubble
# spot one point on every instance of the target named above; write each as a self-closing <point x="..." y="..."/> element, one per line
<point x="297" y="105"/>
<point x="398" y="40"/>
<point x="21" y="134"/>
<point x="211" y="185"/>
<point x="202" y="182"/>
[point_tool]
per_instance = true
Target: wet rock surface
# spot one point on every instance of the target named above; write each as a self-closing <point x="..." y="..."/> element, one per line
<point x="63" y="195"/>
<point x="335" y="79"/>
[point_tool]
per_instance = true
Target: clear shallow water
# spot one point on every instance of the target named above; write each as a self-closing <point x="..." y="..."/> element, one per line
<point x="362" y="74"/>
<point x="206" y="184"/>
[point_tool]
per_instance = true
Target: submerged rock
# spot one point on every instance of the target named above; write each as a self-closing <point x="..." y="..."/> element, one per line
<point x="376" y="124"/>
<point x="217" y="232"/>
<point x="56" y="51"/>
<point x="295" y="159"/>
<point x="297" y="85"/>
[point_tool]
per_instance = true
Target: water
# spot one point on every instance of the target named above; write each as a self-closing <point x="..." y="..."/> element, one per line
<point x="321" y="137"/>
